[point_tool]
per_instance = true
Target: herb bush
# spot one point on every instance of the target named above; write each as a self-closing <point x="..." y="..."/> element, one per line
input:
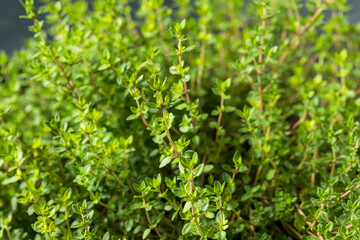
<point x="240" y="122"/>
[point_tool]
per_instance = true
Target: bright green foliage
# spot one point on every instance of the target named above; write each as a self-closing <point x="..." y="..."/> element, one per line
<point x="206" y="119"/>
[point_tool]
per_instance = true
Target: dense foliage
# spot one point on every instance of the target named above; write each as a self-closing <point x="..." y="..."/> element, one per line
<point x="240" y="122"/>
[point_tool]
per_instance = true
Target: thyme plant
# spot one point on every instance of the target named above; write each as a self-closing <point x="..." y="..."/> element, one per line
<point x="195" y="120"/>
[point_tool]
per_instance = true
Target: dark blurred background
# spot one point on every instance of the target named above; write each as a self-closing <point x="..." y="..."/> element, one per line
<point x="14" y="30"/>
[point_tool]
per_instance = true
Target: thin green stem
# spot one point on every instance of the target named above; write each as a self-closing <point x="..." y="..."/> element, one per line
<point x="101" y="203"/>
<point x="258" y="174"/>
<point x="334" y="162"/>
<point x="67" y="222"/>
<point x="192" y="204"/>
<point x="342" y="78"/>
<point x="233" y="176"/>
<point x="149" y="219"/>
<point x="8" y="233"/>
<point x="48" y="234"/>
<point x="137" y="101"/>
<point x="70" y="83"/>
<point x="202" y="59"/>
<point x="186" y="90"/>
<point x="219" y="118"/>
<point x="84" y="223"/>
<point x="167" y="128"/>
<point x="112" y="173"/>
<point x="294" y="40"/>
<point x="260" y="60"/>
<point x="304" y="158"/>
<point x="221" y="213"/>
<point x="352" y="160"/>
<point x="262" y="149"/>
